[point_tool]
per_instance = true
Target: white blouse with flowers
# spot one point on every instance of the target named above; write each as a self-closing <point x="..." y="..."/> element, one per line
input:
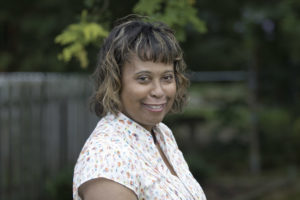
<point x="121" y="150"/>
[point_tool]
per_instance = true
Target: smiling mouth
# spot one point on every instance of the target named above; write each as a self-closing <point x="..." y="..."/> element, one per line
<point x="154" y="108"/>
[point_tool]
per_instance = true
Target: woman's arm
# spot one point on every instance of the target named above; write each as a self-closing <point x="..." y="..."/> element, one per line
<point x="105" y="189"/>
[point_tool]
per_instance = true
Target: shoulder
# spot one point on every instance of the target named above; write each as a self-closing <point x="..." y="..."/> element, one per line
<point x="107" y="134"/>
<point x="105" y="149"/>
<point x="107" y="155"/>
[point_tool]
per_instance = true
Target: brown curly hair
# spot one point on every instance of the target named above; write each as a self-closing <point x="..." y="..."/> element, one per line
<point x="149" y="42"/>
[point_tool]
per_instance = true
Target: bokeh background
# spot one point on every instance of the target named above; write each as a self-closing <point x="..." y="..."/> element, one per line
<point x="240" y="132"/>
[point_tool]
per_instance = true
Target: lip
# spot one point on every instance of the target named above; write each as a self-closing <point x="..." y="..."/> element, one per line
<point x="155" y="107"/>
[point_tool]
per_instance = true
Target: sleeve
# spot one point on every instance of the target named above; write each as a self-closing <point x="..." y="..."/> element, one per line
<point x="107" y="159"/>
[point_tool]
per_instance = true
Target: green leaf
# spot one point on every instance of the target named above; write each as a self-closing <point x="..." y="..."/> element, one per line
<point x="76" y="37"/>
<point x="176" y="13"/>
<point x="147" y="7"/>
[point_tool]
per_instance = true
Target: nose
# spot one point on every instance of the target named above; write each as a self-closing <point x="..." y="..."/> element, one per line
<point x="157" y="90"/>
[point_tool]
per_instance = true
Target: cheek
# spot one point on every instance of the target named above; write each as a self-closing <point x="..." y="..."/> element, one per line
<point x="133" y="93"/>
<point x="172" y="90"/>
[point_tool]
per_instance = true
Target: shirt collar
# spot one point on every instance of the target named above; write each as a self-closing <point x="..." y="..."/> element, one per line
<point x="131" y="127"/>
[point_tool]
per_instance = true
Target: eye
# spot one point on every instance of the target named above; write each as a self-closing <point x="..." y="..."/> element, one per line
<point x="143" y="79"/>
<point x="168" y="77"/>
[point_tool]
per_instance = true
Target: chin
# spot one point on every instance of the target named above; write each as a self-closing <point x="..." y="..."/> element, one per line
<point x="155" y="120"/>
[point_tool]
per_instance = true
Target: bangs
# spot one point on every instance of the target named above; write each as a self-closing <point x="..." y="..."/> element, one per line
<point x="156" y="47"/>
<point x="149" y="42"/>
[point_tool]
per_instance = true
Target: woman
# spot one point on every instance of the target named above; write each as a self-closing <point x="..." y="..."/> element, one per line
<point x="131" y="154"/>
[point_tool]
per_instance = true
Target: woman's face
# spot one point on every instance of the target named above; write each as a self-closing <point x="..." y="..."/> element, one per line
<point x="148" y="91"/>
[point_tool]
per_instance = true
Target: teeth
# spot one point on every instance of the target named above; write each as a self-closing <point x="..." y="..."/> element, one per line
<point x="155" y="107"/>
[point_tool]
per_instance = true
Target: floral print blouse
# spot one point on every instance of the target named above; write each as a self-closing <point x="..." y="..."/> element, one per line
<point x="121" y="150"/>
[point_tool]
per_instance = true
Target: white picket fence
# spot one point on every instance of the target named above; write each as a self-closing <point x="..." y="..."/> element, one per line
<point x="44" y="121"/>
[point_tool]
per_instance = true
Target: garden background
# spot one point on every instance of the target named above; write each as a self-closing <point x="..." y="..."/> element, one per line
<point x="240" y="132"/>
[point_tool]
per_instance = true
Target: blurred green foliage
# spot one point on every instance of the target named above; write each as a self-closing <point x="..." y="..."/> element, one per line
<point x="280" y="144"/>
<point x="77" y="36"/>
<point x="59" y="186"/>
<point x="275" y="121"/>
<point x="175" y="13"/>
